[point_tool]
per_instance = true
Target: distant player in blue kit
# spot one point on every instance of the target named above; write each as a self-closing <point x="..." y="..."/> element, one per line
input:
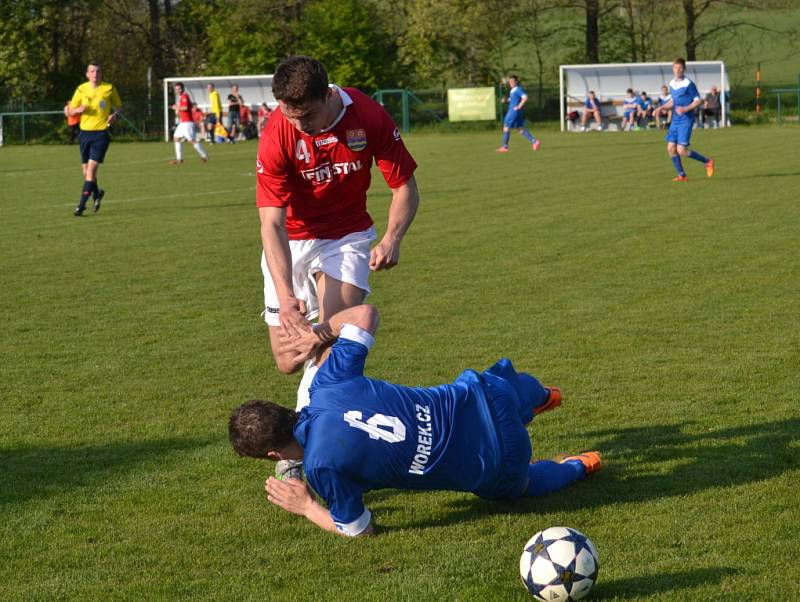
<point x="684" y="99"/>
<point x="515" y="116"/>
<point x="360" y="434"/>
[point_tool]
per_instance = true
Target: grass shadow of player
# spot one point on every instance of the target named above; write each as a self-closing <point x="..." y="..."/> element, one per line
<point x="659" y="583"/>
<point x="655" y="461"/>
<point x="30" y="472"/>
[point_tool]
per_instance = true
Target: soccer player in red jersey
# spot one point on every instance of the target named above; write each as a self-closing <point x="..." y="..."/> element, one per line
<point x="186" y="130"/>
<point x="313" y="172"/>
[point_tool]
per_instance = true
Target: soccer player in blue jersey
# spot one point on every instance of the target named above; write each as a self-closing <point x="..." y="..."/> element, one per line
<point x="591" y="110"/>
<point x="684" y="99"/>
<point x="515" y="116"/>
<point x="630" y="110"/>
<point x="645" y="109"/>
<point x="359" y="434"/>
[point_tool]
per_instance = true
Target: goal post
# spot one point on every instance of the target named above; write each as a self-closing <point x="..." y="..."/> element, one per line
<point x="611" y="80"/>
<point x="254" y="89"/>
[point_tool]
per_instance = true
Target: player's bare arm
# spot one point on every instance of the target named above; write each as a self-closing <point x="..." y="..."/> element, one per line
<point x="294" y="496"/>
<point x="405" y="201"/>
<point x="279" y="260"/>
<point x="310" y="343"/>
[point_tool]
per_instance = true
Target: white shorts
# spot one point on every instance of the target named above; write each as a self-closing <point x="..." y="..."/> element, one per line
<point x="346" y="259"/>
<point x="185" y="130"/>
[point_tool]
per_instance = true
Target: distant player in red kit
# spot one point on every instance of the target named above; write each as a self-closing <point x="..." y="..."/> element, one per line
<point x="313" y="172"/>
<point x="186" y="130"/>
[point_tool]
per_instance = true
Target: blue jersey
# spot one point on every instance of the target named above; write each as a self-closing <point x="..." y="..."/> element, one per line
<point x="591" y="103"/>
<point x="360" y="434"/>
<point x="630" y="103"/>
<point x="683" y="93"/>
<point x="515" y="97"/>
<point x="644" y="103"/>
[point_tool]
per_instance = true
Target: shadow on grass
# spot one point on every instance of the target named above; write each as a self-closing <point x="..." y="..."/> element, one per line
<point x="42" y="471"/>
<point x="657" y="583"/>
<point x="713" y="458"/>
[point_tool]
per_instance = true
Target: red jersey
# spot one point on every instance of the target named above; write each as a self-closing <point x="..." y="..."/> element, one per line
<point x="322" y="180"/>
<point x="184" y="108"/>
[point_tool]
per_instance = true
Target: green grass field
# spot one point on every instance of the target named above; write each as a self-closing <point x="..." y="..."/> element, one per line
<point x="667" y="312"/>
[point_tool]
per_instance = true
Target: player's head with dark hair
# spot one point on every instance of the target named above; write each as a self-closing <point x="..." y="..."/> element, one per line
<point x="678" y="67"/>
<point x="679" y="61"/>
<point x="94" y="71"/>
<point x="179" y="86"/>
<point x="258" y="427"/>
<point x="513" y="80"/>
<point x="629" y="90"/>
<point x="300" y="80"/>
<point x="591" y="92"/>
<point x="210" y="86"/>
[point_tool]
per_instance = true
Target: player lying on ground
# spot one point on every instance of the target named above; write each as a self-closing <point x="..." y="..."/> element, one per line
<point x="359" y="434"/>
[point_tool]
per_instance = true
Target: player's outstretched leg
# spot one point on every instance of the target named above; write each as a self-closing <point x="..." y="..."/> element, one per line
<point x="198" y="146"/>
<point x="535" y="144"/>
<point x="178" y="153"/>
<point x="533" y="397"/>
<point x="708" y="162"/>
<point x="506" y="137"/>
<point x="547" y="476"/>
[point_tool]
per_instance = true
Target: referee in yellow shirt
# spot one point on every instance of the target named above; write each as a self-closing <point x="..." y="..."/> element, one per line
<point x="98" y="104"/>
<point x="214" y="115"/>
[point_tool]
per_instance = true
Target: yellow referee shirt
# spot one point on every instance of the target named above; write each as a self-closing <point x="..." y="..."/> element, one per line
<point x="216" y="104"/>
<point x="98" y="102"/>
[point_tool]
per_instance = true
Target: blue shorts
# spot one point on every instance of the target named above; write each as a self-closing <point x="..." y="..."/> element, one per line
<point x="514" y="119"/>
<point x="630" y="113"/>
<point x="94" y="145"/>
<point x="680" y="132"/>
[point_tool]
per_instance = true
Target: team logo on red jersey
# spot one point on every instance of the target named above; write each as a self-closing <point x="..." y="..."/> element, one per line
<point x="356" y="139"/>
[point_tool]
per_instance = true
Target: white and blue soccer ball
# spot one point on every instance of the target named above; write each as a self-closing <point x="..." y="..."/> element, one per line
<point x="559" y="564"/>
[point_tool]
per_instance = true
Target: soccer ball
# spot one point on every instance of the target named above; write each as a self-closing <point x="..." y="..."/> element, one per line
<point x="559" y="564"/>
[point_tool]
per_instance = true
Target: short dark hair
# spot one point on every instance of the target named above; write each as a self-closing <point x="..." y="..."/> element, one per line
<point x="176" y="84"/>
<point x="679" y="61"/>
<point x="299" y="80"/>
<point x="629" y="91"/>
<point x="513" y="77"/>
<point x="257" y="427"/>
<point x="94" y="64"/>
<point x="591" y="92"/>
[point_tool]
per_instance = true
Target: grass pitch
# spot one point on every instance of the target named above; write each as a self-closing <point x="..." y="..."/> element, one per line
<point x="667" y="312"/>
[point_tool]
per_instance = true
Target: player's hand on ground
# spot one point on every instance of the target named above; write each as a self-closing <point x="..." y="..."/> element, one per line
<point x="384" y="255"/>
<point x="292" y="315"/>
<point x="292" y="495"/>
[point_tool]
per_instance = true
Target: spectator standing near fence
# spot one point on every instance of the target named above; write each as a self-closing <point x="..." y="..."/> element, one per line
<point x="515" y="115"/>
<point x="98" y="104"/>
<point x="684" y="100"/>
<point x="591" y="110"/>
<point x="214" y="115"/>
<point x="73" y="124"/>
<point x="186" y="126"/>
<point x="235" y="102"/>
<point x="712" y="108"/>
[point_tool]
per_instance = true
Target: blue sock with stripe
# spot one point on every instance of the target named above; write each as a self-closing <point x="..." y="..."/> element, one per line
<point x="546" y="476"/>
<point x="528" y="135"/>
<point x="676" y="161"/>
<point x="506" y="136"/>
<point x="698" y="157"/>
